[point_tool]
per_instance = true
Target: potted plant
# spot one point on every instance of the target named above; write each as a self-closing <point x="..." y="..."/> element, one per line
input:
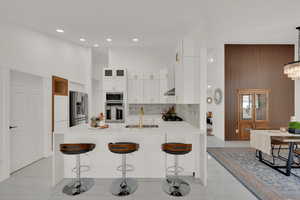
<point x="294" y="127"/>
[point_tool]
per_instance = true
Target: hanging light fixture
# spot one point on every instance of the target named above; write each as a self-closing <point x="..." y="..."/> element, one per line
<point x="292" y="70"/>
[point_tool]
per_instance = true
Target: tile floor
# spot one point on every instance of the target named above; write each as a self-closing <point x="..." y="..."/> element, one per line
<point x="34" y="183"/>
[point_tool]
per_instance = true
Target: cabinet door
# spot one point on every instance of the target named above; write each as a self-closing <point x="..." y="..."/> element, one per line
<point x="147" y="90"/>
<point x="151" y="91"/>
<point x="108" y="85"/>
<point x="120" y="73"/>
<point x="135" y="91"/>
<point x="163" y="88"/>
<point x="188" y="79"/>
<point x="120" y="85"/>
<point x="155" y="92"/>
<point x="108" y="73"/>
<point x="179" y="83"/>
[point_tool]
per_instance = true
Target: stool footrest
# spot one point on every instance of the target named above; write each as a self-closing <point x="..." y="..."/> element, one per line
<point x="83" y="168"/>
<point x="171" y="169"/>
<point x="128" y="168"/>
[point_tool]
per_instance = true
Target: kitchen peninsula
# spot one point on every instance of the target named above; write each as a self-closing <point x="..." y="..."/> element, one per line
<point x="149" y="161"/>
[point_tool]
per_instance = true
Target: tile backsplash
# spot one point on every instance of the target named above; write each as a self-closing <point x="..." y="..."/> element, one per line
<point x="189" y="113"/>
<point x="149" y="109"/>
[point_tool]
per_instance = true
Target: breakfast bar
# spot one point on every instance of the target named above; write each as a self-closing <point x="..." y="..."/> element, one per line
<point x="148" y="162"/>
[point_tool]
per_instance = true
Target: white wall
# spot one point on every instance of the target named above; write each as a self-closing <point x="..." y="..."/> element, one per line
<point x="99" y="61"/>
<point x="141" y="59"/>
<point x="240" y="35"/>
<point x="4" y="123"/>
<point x="31" y="52"/>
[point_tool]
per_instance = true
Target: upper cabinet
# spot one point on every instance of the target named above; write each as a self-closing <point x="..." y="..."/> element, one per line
<point x="135" y="87"/>
<point x="115" y="79"/>
<point x="151" y="90"/>
<point x="148" y="87"/>
<point x="187" y="73"/>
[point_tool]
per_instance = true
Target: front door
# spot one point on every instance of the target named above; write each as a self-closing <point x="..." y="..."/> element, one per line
<point x="26" y="120"/>
<point x="253" y="111"/>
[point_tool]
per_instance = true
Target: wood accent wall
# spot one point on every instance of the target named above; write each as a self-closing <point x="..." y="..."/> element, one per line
<point x="261" y="67"/>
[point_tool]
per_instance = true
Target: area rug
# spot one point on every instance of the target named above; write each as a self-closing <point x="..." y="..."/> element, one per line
<point x="264" y="182"/>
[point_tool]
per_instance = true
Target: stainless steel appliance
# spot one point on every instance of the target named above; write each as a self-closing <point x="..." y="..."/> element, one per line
<point x="78" y="108"/>
<point x="114" y="107"/>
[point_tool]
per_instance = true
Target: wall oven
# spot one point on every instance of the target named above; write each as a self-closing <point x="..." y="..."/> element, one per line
<point x="78" y="108"/>
<point x="114" y="107"/>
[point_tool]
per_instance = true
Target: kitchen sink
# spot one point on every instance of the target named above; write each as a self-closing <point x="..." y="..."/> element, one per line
<point x="144" y="126"/>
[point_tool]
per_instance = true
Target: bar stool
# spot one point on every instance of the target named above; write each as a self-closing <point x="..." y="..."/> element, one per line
<point x="123" y="186"/>
<point x="78" y="186"/>
<point x="175" y="186"/>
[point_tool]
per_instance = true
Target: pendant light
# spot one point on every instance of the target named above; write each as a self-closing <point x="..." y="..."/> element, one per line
<point x="292" y="69"/>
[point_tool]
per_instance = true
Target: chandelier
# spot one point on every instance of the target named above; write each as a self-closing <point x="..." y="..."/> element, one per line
<point x="292" y="69"/>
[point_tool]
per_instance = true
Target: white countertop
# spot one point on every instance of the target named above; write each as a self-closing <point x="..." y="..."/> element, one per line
<point x="164" y="127"/>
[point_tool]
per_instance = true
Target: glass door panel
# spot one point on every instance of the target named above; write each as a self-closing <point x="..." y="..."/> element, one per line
<point x="261" y="106"/>
<point x="246" y="107"/>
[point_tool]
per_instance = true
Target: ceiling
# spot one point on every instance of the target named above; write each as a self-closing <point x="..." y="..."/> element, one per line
<point x="155" y="22"/>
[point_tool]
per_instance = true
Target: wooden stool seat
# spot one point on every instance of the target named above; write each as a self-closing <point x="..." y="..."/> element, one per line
<point x="177" y="148"/>
<point x="76" y="148"/>
<point x="123" y="147"/>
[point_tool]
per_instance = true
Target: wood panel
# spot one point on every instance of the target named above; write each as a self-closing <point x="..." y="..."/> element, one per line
<point x="261" y="67"/>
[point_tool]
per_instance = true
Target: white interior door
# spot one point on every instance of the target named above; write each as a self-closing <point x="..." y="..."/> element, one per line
<point x="26" y="120"/>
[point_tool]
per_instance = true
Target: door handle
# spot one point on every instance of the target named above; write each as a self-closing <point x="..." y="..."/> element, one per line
<point x="248" y="129"/>
<point x="12" y="127"/>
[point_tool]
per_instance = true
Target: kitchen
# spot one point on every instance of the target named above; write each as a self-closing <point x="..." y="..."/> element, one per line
<point x="102" y="99"/>
<point x="141" y="104"/>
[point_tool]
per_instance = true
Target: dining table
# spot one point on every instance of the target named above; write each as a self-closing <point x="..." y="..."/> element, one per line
<point x="261" y="140"/>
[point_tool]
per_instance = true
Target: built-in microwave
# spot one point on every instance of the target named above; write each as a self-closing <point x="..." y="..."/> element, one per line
<point x="114" y="96"/>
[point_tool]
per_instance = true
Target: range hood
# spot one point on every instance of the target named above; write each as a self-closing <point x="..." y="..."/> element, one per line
<point x="171" y="92"/>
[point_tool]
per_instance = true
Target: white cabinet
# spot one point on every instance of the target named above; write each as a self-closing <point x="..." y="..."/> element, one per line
<point x="187" y="75"/>
<point x="151" y="88"/>
<point x="151" y="91"/>
<point x="114" y="79"/>
<point x="61" y="112"/>
<point x="163" y="88"/>
<point x="135" y="88"/>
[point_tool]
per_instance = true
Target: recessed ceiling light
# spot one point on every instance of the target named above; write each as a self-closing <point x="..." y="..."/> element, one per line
<point x="108" y="39"/>
<point x="96" y="45"/>
<point x="82" y="40"/>
<point x="60" y="30"/>
<point x="135" y="39"/>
